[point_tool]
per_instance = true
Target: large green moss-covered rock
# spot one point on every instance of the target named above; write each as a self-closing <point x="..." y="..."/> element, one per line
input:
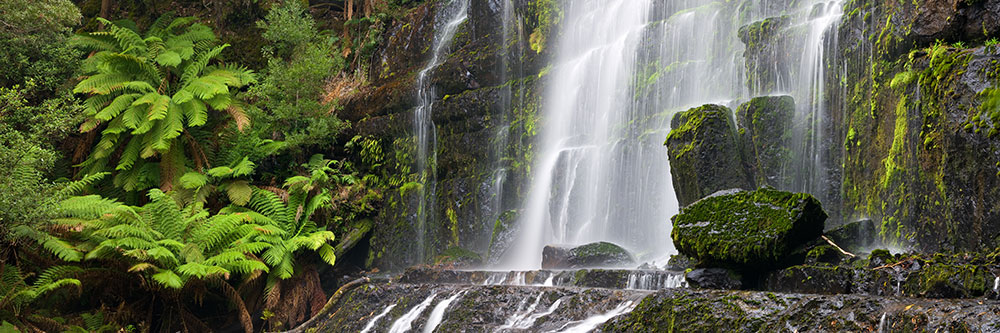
<point x="765" y="135"/>
<point x="747" y="228"/>
<point x="704" y="153"/>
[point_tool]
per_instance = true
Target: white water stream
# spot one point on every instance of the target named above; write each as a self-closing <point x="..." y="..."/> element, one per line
<point x="438" y="313"/>
<point x="591" y="323"/>
<point x="455" y="12"/>
<point x="405" y="322"/>
<point x="374" y="320"/>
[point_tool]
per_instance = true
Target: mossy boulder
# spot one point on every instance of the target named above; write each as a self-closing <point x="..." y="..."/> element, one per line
<point x="600" y="254"/>
<point x="765" y="135"/>
<point x="747" y="228"/>
<point x="704" y="153"/>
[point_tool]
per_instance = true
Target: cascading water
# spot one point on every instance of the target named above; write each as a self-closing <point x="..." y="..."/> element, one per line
<point x="374" y="320"/>
<point x="452" y="14"/>
<point x="622" y="69"/>
<point x="820" y="18"/>
<point x="589" y="324"/>
<point x="571" y="198"/>
<point x="405" y="322"/>
<point x="438" y="313"/>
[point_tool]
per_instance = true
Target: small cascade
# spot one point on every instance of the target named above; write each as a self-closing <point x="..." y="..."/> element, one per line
<point x="550" y="281"/>
<point x="438" y="313"/>
<point x="881" y="324"/>
<point x="405" y="322"/>
<point x="996" y="284"/>
<point x="589" y="324"/>
<point x="527" y="319"/>
<point x="517" y="319"/>
<point x="653" y="281"/>
<point x="371" y="323"/>
<point x="455" y="13"/>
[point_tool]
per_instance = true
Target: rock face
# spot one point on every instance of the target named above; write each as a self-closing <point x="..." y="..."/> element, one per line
<point x="765" y="133"/>
<point x="701" y="147"/>
<point x="919" y="158"/>
<point x="485" y="96"/>
<point x="601" y="254"/>
<point x="747" y="228"/>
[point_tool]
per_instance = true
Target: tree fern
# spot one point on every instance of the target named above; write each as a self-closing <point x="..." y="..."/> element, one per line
<point x="146" y="90"/>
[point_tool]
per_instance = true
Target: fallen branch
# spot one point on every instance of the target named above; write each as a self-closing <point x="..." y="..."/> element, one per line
<point x="838" y="247"/>
<point x="329" y="304"/>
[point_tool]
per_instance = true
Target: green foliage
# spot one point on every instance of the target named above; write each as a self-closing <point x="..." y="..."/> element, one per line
<point x="290" y="95"/>
<point x="147" y="91"/>
<point x="231" y="180"/>
<point x="33" y="44"/>
<point x="288" y="224"/>
<point x="166" y="243"/>
<point x="17" y="295"/>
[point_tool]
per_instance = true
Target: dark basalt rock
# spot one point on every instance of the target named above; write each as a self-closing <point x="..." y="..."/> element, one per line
<point x="714" y="278"/>
<point x="747" y="228"/>
<point x="680" y="262"/>
<point x="601" y="254"/>
<point x="701" y="147"/>
<point x="765" y="135"/>
<point x="810" y="279"/>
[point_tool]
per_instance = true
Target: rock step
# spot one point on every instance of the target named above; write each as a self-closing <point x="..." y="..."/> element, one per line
<point x="589" y="278"/>
<point x="383" y="306"/>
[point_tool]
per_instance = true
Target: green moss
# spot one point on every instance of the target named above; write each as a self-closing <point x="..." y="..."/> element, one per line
<point x="747" y="228"/>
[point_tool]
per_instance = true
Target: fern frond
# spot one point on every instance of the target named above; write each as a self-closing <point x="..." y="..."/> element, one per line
<point x="244" y="167"/>
<point x="54" y="245"/>
<point x="77" y="187"/>
<point x="239" y="192"/>
<point x="165" y="214"/>
<point x="129" y="155"/>
<point x="116" y="107"/>
<point x="192" y="70"/>
<point x="193" y="180"/>
<point x="327" y="253"/>
<point x="168" y="278"/>
<point x="95" y="41"/>
<point x="196" y="112"/>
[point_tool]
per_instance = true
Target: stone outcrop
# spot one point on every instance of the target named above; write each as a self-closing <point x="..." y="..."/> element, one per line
<point x="765" y="136"/>
<point x="701" y="147"/>
<point x="920" y="152"/>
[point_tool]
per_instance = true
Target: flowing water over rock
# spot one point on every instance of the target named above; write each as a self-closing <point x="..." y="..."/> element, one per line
<point x="622" y="68"/>
<point x="452" y="15"/>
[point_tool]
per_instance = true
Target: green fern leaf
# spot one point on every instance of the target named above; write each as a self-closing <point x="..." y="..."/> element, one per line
<point x="193" y="180"/>
<point x="239" y="192"/>
<point x="168" y="278"/>
<point x="116" y="107"/>
<point x="327" y="253"/>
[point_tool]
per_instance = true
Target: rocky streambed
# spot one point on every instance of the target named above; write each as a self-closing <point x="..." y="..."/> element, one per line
<point x="431" y="300"/>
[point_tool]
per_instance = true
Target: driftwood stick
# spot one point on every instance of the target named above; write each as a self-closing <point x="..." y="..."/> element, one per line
<point x="330" y="304"/>
<point x="838" y="247"/>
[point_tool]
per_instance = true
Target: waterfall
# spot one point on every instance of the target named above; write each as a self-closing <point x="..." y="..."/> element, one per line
<point x="438" y="313"/>
<point x="371" y="323"/>
<point x="455" y="12"/>
<point x="571" y="199"/>
<point x="820" y="19"/>
<point x="881" y="324"/>
<point x="404" y="323"/>
<point x="622" y="68"/>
